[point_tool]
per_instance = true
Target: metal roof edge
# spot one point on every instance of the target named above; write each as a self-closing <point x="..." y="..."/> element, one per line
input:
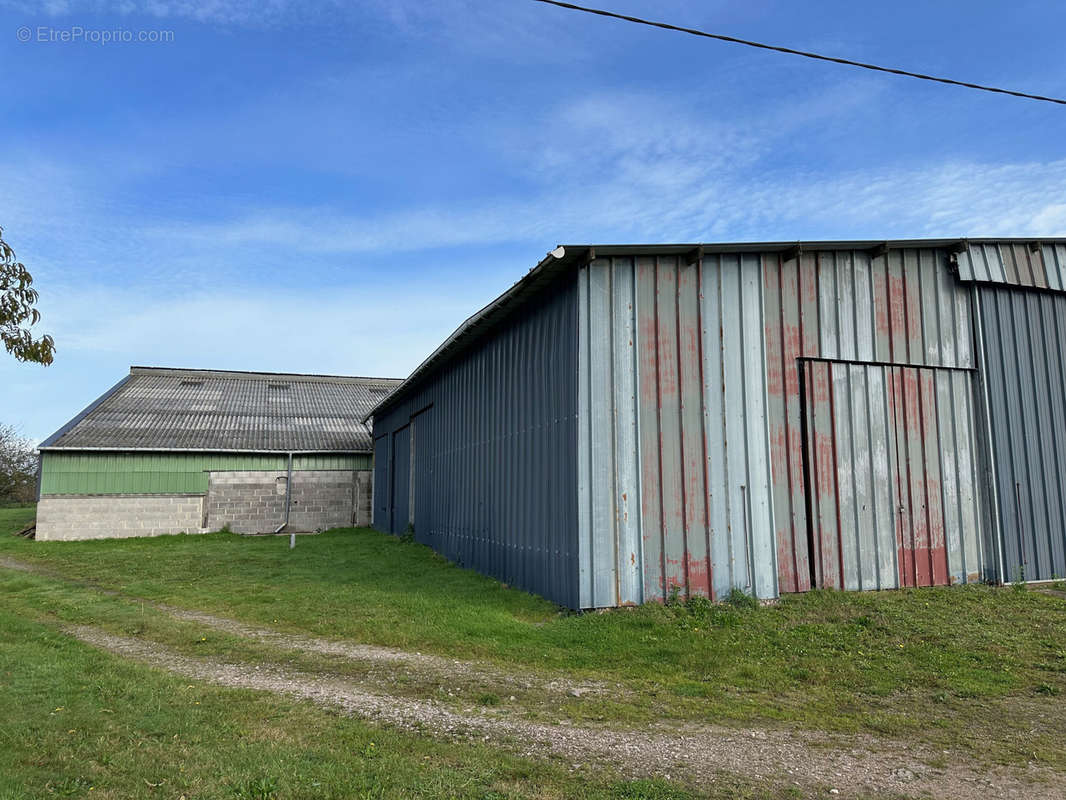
<point x="254" y="451"/>
<point x="47" y="443"/>
<point x="560" y="257"/>
<point x="566" y="254"/>
<point x="252" y="375"/>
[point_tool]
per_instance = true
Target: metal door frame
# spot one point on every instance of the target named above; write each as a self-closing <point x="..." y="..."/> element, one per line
<point x="801" y="363"/>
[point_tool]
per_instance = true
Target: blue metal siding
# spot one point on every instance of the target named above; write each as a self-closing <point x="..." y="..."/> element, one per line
<point x="495" y="451"/>
<point x="1024" y="338"/>
<point x="382" y="489"/>
<point x="401" y="480"/>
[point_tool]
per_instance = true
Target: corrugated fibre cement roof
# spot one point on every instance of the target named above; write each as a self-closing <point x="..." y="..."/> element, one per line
<point x="156" y="408"/>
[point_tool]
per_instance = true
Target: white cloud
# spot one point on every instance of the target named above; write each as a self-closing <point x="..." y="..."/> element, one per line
<point x="101" y="331"/>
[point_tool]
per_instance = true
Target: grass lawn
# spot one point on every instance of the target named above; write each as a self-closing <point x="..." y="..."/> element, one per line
<point x="82" y="723"/>
<point x="968" y="668"/>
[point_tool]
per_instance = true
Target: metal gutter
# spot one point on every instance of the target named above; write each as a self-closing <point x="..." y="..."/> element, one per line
<point x="288" y="505"/>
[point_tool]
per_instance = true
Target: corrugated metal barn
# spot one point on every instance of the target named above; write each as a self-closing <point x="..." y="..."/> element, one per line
<point x="769" y="417"/>
<point x="169" y="451"/>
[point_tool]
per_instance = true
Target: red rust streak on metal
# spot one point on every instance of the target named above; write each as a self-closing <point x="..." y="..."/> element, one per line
<point x="913" y="310"/>
<point x="777" y="368"/>
<point x="896" y="407"/>
<point x="825" y="473"/>
<point x="651" y="478"/>
<point x="915" y="494"/>
<point x="839" y="542"/>
<point x="897" y="314"/>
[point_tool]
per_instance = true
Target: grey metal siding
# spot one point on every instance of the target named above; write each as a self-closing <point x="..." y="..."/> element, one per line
<point x="1025" y="371"/>
<point x="900" y="307"/>
<point x="495" y="457"/>
<point x="1031" y="264"/>
<point x="892" y="468"/>
<point x="674" y="469"/>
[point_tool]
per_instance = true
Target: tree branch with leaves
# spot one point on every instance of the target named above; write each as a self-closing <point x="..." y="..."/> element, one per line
<point x="18" y="310"/>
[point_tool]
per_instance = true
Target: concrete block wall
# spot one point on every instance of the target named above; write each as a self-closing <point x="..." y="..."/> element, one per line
<point x="364" y="498"/>
<point x="117" y="516"/>
<point x="254" y="501"/>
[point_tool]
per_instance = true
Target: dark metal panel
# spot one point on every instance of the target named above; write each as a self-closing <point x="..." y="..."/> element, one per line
<point x="494" y="472"/>
<point x="1025" y="371"/>
<point x="400" y="480"/>
<point x="381" y="483"/>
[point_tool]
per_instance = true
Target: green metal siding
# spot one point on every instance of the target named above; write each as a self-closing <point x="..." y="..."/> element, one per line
<point x="166" y="473"/>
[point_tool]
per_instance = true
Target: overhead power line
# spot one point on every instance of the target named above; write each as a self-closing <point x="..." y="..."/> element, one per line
<point x="790" y="51"/>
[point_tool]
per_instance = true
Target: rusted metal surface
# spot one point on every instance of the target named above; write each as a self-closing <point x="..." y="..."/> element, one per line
<point x="678" y="468"/>
<point x="643" y="428"/>
<point x="891" y="460"/>
<point x="899" y="306"/>
<point x="1031" y="264"/>
<point x="609" y="532"/>
<point x="1024" y="335"/>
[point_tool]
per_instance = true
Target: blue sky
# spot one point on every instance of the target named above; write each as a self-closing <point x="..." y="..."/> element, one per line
<point x="333" y="188"/>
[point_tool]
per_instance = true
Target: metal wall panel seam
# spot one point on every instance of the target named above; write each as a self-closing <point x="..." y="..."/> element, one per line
<point x="584" y="447"/>
<point x="978" y="505"/>
<point x="624" y="454"/>
<point x="723" y="563"/>
<point x="990" y="477"/>
<point x="1041" y="411"/>
<point x="702" y="332"/>
<point x="1054" y="508"/>
<point x="638" y="394"/>
<point x="772" y="530"/>
<point x="1022" y="459"/>
<point x="954" y="542"/>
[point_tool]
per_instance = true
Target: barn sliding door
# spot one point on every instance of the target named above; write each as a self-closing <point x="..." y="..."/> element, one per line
<point x="890" y="463"/>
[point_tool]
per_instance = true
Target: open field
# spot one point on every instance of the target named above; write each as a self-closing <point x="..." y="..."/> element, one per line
<point x="970" y="675"/>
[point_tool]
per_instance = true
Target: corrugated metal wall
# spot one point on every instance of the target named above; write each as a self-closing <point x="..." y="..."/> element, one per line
<point x="609" y="524"/>
<point x="165" y="473"/>
<point x="495" y="444"/>
<point x="673" y="444"/>
<point x="1041" y="266"/>
<point x="400" y="516"/>
<point x="382" y="491"/>
<point x="902" y="306"/>
<point x="1025" y="368"/>
<point x="892" y="469"/>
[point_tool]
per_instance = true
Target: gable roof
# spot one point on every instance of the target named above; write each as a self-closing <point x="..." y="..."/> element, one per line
<point x="157" y="408"/>
<point x="978" y="261"/>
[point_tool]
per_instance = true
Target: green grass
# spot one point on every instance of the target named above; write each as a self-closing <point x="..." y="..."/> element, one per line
<point x="81" y="723"/>
<point x="14" y="518"/>
<point x="965" y="667"/>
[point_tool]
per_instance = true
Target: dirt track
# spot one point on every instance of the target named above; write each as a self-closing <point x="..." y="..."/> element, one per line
<point x="813" y="761"/>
